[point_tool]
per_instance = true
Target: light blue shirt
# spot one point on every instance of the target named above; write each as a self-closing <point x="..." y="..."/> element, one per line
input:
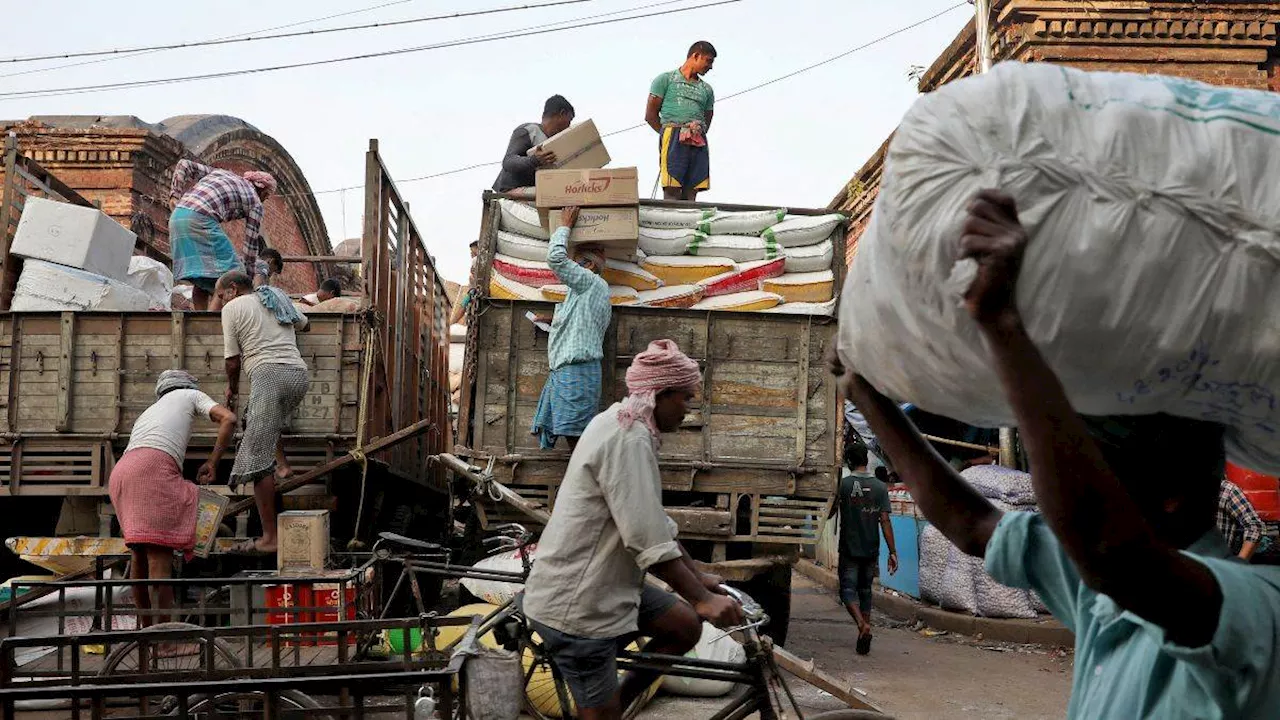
<point x="1124" y="666"/>
<point x="577" y="331"/>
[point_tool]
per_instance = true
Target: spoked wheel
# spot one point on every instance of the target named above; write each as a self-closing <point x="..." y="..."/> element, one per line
<point x="541" y="688"/>
<point x="185" y="657"/>
<point x="251" y="706"/>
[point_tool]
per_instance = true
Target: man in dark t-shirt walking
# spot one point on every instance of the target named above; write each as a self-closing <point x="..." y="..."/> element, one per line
<point x="863" y="504"/>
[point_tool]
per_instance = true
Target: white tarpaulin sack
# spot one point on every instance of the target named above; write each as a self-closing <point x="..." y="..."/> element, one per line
<point x="1150" y="281"/>
<point x="714" y="644"/>
<point x="496" y="592"/>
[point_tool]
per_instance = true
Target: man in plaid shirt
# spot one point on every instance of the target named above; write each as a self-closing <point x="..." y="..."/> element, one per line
<point x="203" y="198"/>
<point x="1238" y="522"/>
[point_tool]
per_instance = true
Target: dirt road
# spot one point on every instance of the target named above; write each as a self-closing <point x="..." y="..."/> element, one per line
<point x="910" y="674"/>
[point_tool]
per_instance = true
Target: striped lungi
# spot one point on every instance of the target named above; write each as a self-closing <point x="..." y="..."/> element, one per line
<point x="155" y="504"/>
<point x="569" y="400"/>
<point x="202" y="252"/>
<point x="275" y="392"/>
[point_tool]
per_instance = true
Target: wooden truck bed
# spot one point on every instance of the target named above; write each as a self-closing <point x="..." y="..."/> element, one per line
<point x="757" y="458"/>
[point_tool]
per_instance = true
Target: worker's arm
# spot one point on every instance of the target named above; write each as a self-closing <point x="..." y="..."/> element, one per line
<point x="651" y="116"/>
<point x="631" y="485"/>
<point x="570" y="273"/>
<point x="517" y="159"/>
<point x="1100" y="526"/>
<point x="1243" y="514"/>
<point x="226" y="420"/>
<point x="710" y="581"/>
<point x="254" y="243"/>
<point x="185" y="174"/>
<point x="886" y="527"/>
<point x="966" y="518"/>
<point x="233" y="381"/>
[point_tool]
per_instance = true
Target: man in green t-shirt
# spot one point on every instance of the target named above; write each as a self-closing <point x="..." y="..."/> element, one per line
<point x="863" y="504"/>
<point x="680" y="107"/>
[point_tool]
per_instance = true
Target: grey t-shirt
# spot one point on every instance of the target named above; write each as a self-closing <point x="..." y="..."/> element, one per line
<point x="519" y="169"/>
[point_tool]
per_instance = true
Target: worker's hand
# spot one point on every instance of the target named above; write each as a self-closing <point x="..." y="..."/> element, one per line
<point x="893" y="563"/>
<point x="993" y="236"/>
<point x="836" y="367"/>
<point x="712" y="582"/>
<point x="231" y="400"/>
<point x="544" y="157"/>
<point x="569" y="216"/>
<point x="207" y="474"/>
<point x="720" y="610"/>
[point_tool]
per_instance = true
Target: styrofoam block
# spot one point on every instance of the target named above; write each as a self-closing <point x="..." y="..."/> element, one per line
<point x="74" y="236"/>
<point x="47" y="286"/>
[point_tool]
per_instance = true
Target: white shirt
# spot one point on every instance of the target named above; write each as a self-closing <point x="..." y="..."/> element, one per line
<point x="251" y="331"/>
<point x="608" y="527"/>
<point x="166" y="425"/>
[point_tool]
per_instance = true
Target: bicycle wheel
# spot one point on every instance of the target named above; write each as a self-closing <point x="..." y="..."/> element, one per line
<point x="249" y="705"/>
<point x="849" y="714"/>
<point x="126" y="658"/>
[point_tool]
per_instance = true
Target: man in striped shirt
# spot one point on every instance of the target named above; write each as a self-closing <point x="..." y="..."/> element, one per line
<point x="203" y="198"/>
<point x="571" y="396"/>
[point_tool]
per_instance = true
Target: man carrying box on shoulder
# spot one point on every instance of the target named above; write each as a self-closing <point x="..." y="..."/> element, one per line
<point x="680" y="107"/>
<point x="519" y="165"/>
<point x="572" y="394"/>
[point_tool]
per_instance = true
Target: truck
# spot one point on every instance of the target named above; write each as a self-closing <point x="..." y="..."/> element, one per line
<point x="750" y="475"/>
<point x="73" y="383"/>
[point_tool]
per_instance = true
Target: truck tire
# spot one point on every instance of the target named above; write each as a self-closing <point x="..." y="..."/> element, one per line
<point x="772" y="589"/>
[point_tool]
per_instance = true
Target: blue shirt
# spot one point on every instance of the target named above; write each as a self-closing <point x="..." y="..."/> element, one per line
<point x="577" y="331"/>
<point x="1124" y="666"/>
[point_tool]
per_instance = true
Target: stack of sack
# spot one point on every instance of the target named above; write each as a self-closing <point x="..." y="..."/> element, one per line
<point x="1150" y="277"/>
<point x="956" y="581"/>
<point x="77" y="258"/>
<point x="701" y="259"/>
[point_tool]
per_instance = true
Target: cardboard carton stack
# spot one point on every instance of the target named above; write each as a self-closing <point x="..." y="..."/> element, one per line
<point x="609" y="197"/>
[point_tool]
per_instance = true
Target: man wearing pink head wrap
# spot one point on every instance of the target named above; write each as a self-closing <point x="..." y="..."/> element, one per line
<point x="586" y="596"/>
<point x="203" y="198"/>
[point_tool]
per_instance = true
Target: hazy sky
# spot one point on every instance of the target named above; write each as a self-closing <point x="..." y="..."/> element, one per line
<point x="795" y="142"/>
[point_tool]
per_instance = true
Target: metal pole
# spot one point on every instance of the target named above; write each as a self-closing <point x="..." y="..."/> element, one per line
<point x="982" y="33"/>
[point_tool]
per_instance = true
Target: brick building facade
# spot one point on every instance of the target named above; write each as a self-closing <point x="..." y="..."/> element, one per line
<point x="1225" y="43"/>
<point x="126" y="165"/>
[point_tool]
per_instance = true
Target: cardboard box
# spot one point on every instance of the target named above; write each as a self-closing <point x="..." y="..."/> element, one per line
<point x="577" y="147"/>
<point x="611" y="226"/>
<point x="304" y="542"/>
<point x="210" y="507"/>
<point x="588" y="188"/>
<point x="75" y="236"/>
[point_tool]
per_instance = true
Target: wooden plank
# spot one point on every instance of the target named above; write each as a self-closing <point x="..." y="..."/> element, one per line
<point x="802" y="387"/>
<point x="701" y="521"/>
<point x="807" y="671"/>
<point x="65" y="362"/>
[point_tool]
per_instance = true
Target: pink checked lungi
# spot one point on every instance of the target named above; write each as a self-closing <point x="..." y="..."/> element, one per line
<point x="155" y="504"/>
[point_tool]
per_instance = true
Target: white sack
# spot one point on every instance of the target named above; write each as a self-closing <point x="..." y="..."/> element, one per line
<point x="153" y="278"/>
<point x="46" y="286"/>
<point x="523" y="246"/>
<point x="808" y="258"/>
<point x="800" y="230"/>
<point x="739" y="248"/>
<point x="947" y="576"/>
<point x="1150" y="281"/>
<point x="748" y="222"/>
<point x="521" y="218"/>
<point x="714" y="645"/>
<point x="667" y="242"/>
<point x="492" y="591"/>
<point x="673" y="218"/>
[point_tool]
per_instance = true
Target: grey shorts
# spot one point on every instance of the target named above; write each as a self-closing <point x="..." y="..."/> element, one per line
<point x="589" y="666"/>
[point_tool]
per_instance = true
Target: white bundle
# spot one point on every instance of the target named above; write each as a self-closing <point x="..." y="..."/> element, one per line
<point x="800" y="230"/>
<point x="667" y="242"/>
<point x="739" y="248"/>
<point x="809" y="258"/>
<point x="1154" y="215"/>
<point x="674" y="218"/>
<point x="805" y="308"/>
<point x="996" y="482"/>
<point x="521" y="218"/>
<point x="749" y="222"/>
<point x="946" y="574"/>
<point x="523" y="246"/>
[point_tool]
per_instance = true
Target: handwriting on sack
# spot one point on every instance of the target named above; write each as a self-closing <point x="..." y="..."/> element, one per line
<point x="1234" y="403"/>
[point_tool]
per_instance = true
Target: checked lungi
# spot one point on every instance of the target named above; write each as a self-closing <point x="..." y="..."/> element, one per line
<point x="569" y="400"/>
<point x="155" y="504"/>
<point x="275" y="392"/>
<point x="202" y="252"/>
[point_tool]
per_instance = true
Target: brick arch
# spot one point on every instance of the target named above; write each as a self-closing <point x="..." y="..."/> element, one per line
<point x="293" y="223"/>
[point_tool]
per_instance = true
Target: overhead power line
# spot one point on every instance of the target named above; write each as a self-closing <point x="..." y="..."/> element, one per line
<point x="300" y="33"/>
<point x="286" y="26"/>
<point x="81" y="89"/>
<point x="739" y="93"/>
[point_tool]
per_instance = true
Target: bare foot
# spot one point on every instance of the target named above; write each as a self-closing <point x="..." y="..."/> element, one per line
<point x="173" y="650"/>
<point x="259" y="546"/>
<point x="284" y="473"/>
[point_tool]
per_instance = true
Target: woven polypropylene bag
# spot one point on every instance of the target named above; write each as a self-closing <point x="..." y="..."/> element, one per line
<point x="495" y="685"/>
